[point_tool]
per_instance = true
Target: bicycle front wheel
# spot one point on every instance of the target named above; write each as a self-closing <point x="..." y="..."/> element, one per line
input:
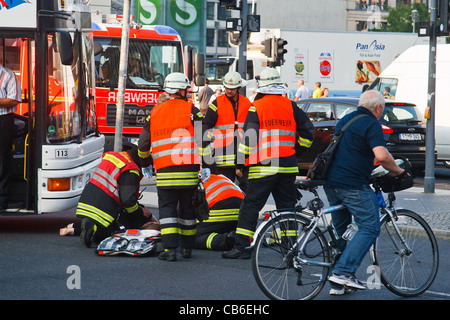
<point x="408" y="259"/>
<point x="275" y="260"/>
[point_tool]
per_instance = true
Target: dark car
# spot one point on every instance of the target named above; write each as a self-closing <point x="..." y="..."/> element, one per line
<point x="403" y="127"/>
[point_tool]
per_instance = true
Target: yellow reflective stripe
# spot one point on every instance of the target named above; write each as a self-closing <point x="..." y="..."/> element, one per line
<point x="166" y="231"/>
<point x="244" y="149"/>
<point x="223" y="215"/>
<point x="135" y="172"/>
<point x="209" y="240"/>
<point x="304" y="142"/>
<point x="213" y="107"/>
<point x="189" y="232"/>
<point x="176" y="230"/>
<point x="245" y="232"/>
<point x="98" y="212"/>
<point x="256" y="172"/>
<point x="143" y="154"/>
<point x="199" y="114"/>
<point x="289" y="233"/>
<point x="252" y="109"/>
<point x="117" y="162"/>
<point x="132" y="209"/>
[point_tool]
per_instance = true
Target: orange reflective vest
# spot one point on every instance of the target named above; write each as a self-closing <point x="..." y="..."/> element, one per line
<point x="172" y="135"/>
<point x="219" y="188"/>
<point x="277" y="129"/>
<point x="224" y="130"/>
<point x="107" y="173"/>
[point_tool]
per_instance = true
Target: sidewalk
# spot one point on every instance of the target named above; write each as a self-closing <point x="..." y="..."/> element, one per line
<point x="434" y="207"/>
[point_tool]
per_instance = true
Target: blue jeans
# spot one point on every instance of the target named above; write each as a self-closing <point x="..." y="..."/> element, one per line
<point x="363" y="205"/>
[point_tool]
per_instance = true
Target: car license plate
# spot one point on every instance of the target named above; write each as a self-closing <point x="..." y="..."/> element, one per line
<point x="410" y="136"/>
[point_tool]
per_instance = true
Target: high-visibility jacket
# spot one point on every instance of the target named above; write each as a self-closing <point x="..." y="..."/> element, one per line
<point x="174" y="150"/>
<point x="219" y="189"/>
<point x="228" y="123"/>
<point x="277" y="129"/>
<point x="106" y="177"/>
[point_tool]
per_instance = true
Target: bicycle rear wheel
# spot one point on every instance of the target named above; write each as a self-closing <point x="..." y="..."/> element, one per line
<point x="276" y="266"/>
<point x="407" y="269"/>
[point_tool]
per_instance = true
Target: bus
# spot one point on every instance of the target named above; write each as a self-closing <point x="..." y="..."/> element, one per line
<point x="153" y="53"/>
<point x="57" y="145"/>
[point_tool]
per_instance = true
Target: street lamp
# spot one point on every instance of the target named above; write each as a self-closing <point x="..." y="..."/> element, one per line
<point x="414" y="16"/>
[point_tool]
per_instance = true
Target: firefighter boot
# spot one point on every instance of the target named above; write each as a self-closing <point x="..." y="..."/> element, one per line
<point x="168" y="255"/>
<point x="88" y="229"/>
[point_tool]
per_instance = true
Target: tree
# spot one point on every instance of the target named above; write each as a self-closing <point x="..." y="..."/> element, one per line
<point x="399" y="18"/>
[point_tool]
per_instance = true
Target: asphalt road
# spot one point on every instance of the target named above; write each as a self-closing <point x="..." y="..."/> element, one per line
<point x="37" y="263"/>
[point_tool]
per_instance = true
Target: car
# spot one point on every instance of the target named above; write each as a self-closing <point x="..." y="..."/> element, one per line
<point x="403" y="127"/>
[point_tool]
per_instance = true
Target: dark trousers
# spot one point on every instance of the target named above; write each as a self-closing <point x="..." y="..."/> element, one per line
<point x="177" y="218"/>
<point x="280" y="185"/>
<point x="7" y="132"/>
<point x="213" y="235"/>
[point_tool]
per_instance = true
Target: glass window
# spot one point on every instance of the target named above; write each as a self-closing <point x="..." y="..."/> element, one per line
<point x="320" y="112"/>
<point x="396" y="114"/>
<point x="343" y="109"/>
<point x="149" y="62"/>
<point x="210" y="9"/>
<point x="210" y="37"/>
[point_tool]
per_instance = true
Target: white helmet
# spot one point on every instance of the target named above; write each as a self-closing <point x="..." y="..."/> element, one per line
<point x="232" y="80"/>
<point x="269" y="76"/>
<point x="176" y="81"/>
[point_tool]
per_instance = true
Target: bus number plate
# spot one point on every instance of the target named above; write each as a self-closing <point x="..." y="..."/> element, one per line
<point x="61" y="153"/>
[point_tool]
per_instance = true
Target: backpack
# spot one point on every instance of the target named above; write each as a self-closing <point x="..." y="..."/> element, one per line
<point x="320" y="166"/>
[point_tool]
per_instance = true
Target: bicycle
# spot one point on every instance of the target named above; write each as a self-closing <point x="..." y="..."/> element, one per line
<point x="295" y="249"/>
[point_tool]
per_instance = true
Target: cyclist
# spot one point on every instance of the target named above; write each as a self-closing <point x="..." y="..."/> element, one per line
<point x="348" y="184"/>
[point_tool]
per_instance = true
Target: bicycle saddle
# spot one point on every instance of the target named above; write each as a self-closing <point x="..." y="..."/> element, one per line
<point x="309" y="184"/>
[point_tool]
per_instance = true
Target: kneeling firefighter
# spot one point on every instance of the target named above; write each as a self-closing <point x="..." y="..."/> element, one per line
<point x="112" y="194"/>
<point x="224" y="199"/>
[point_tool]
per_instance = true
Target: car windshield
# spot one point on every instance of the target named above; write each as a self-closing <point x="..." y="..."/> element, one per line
<point x="401" y="114"/>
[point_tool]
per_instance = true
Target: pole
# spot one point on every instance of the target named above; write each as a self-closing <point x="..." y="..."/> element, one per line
<point x="242" y="66"/>
<point x="429" y="179"/>
<point x="120" y="110"/>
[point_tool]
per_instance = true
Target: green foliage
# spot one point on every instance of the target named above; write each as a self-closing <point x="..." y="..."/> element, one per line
<point x="399" y="19"/>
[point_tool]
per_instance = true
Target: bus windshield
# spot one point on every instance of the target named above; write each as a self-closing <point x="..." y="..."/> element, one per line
<point x="149" y="62"/>
<point x="70" y="106"/>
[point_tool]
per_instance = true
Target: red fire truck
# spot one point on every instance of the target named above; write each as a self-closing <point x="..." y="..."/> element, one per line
<point x="153" y="53"/>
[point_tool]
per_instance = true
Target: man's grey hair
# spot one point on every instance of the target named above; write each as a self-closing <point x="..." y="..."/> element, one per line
<point x="370" y="99"/>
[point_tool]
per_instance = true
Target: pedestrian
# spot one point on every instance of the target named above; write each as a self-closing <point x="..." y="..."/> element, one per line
<point x="112" y="194"/>
<point x="317" y="91"/>
<point x="226" y="116"/>
<point x="10" y="96"/>
<point x="348" y="184"/>
<point x="169" y="141"/>
<point x="204" y="96"/>
<point x="268" y="147"/>
<point x="324" y="93"/>
<point x="302" y="91"/>
<point x="387" y="93"/>
<point x="224" y="199"/>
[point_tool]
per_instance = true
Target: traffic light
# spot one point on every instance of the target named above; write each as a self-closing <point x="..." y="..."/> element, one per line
<point x="229" y="4"/>
<point x="280" y="50"/>
<point x="444" y="16"/>
<point x="267" y="51"/>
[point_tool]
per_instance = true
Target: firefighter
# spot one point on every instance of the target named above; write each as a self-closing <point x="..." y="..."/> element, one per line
<point x="169" y="140"/>
<point x="224" y="199"/>
<point x="226" y="116"/>
<point x="274" y="125"/>
<point x="112" y="194"/>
